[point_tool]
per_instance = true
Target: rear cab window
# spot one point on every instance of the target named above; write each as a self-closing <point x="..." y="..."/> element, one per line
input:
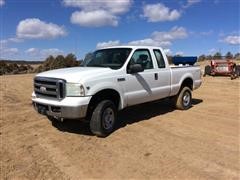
<point x="159" y="58"/>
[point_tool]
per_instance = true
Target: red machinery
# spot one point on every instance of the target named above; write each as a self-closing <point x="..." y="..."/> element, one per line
<point x="223" y="67"/>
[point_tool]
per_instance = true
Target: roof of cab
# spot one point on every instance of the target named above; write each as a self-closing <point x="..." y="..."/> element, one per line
<point x="132" y="47"/>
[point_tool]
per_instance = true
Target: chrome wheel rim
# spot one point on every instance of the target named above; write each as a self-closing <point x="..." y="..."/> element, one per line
<point x="186" y="98"/>
<point x="108" y="118"/>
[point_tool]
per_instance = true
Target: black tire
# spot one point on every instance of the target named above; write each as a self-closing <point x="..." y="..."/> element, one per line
<point x="238" y="70"/>
<point x="103" y="118"/>
<point x="207" y="70"/>
<point x="183" y="100"/>
<point x="235" y="72"/>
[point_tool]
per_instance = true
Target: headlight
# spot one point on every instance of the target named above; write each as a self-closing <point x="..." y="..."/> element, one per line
<point x="74" y="89"/>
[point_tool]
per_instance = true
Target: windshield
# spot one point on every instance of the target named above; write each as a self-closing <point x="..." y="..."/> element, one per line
<point x="113" y="58"/>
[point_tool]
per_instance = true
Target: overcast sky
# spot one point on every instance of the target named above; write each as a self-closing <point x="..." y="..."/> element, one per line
<point x="34" y="29"/>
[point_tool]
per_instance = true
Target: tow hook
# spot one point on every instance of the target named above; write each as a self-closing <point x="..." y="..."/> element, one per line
<point x="59" y="118"/>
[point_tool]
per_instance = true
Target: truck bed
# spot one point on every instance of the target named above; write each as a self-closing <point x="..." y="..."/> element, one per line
<point x="179" y="72"/>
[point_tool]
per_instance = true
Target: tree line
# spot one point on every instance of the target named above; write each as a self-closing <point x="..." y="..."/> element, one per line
<point x="70" y="60"/>
<point x="14" y="68"/>
<point x="218" y="55"/>
<point x="51" y="62"/>
<point x="57" y="62"/>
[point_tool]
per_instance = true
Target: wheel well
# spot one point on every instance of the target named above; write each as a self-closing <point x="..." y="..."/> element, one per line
<point x="109" y="94"/>
<point x="188" y="82"/>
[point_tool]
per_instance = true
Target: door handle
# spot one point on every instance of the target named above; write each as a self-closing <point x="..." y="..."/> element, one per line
<point x="156" y="76"/>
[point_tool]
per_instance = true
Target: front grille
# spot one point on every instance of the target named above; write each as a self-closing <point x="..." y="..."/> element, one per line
<point x="49" y="87"/>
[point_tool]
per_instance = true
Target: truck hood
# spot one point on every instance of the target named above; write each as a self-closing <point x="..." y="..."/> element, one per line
<point x="75" y="74"/>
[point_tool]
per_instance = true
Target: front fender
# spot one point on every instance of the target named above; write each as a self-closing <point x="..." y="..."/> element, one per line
<point x="94" y="89"/>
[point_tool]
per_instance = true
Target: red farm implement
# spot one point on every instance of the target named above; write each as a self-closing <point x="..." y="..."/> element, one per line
<point x="223" y="67"/>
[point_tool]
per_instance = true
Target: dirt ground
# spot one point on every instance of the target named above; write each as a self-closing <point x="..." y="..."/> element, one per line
<point x="153" y="141"/>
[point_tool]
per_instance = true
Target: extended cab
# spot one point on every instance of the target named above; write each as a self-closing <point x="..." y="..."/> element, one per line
<point x="110" y="80"/>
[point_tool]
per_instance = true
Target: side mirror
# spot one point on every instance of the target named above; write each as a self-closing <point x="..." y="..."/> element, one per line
<point x="135" y="68"/>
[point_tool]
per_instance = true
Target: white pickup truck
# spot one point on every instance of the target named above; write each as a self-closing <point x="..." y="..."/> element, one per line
<point x="110" y="80"/>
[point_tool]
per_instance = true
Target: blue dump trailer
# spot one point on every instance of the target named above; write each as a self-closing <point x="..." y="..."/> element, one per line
<point x="191" y="60"/>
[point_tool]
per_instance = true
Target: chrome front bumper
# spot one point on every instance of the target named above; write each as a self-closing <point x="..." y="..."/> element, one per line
<point x="61" y="111"/>
<point x="70" y="107"/>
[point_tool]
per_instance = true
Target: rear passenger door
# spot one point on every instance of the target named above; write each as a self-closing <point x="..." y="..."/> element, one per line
<point x="162" y="86"/>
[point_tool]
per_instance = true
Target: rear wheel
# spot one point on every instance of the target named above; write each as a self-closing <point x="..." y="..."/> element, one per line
<point x="235" y="72"/>
<point x="183" y="99"/>
<point x="238" y="70"/>
<point x="103" y="118"/>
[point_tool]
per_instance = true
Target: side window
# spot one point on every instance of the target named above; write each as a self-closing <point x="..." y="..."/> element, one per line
<point x="159" y="58"/>
<point x="143" y="57"/>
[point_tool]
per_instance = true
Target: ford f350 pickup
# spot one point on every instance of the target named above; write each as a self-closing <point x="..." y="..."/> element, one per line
<point x="110" y="80"/>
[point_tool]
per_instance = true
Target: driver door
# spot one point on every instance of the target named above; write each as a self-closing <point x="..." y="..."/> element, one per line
<point x="139" y="87"/>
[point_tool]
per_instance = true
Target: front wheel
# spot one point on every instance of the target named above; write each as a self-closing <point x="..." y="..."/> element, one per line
<point x="183" y="100"/>
<point x="103" y="118"/>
